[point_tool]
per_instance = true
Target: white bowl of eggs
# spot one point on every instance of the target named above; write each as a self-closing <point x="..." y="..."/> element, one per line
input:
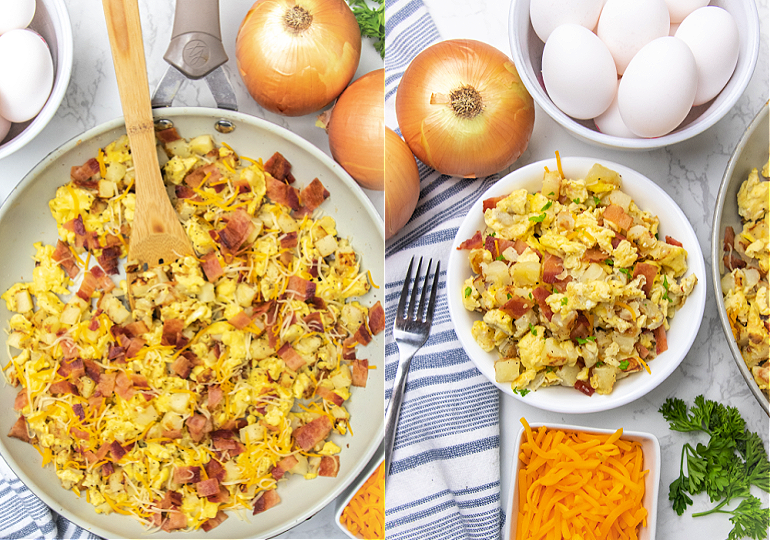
<point x="635" y="75"/>
<point x="35" y="65"/>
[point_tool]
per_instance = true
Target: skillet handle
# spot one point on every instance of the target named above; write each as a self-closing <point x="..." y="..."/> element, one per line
<point x="196" y="42"/>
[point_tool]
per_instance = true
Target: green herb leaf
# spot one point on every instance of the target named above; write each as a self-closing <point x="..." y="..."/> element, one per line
<point x="493" y="233"/>
<point x="665" y="286"/>
<point x="597" y="200"/>
<point x="530" y="296"/>
<point x="576" y="201"/>
<point x="583" y="341"/>
<point x="626" y="271"/>
<point x="609" y="262"/>
<point x="371" y="21"/>
<point x="500" y="258"/>
<point x="551" y="194"/>
<point x="547" y="206"/>
<point x="564" y="301"/>
<point x="537" y="219"/>
<point x="624" y="365"/>
<point x="521" y="391"/>
<point x="467" y="292"/>
<point x="532" y="329"/>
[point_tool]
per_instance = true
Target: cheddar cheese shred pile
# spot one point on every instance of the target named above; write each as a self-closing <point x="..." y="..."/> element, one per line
<point x="234" y="367"/>
<point x="575" y="484"/>
<point x="364" y="516"/>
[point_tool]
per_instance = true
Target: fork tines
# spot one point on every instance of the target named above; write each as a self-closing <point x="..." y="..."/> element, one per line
<point x="406" y="313"/>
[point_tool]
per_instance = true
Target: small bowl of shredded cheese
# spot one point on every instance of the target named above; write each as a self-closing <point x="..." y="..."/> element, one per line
<point x="578" y="482"/>
<point x="361" y="512"/>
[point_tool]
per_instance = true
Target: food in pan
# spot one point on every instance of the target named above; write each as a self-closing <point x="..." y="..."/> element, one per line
<point x="574" y="284"/>
<point x="233" y="367"/>
<point x="745" y="285"/>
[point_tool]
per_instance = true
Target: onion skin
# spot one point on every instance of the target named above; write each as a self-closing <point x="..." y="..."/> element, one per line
<point x="474" y="146"/>
<point x="402" y="183"/>
<point x="297" y="73"/>
<point x="357" y="130"/>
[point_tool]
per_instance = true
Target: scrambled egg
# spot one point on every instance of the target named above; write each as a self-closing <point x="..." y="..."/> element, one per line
<point x="745" y="284"/>
<point x="575" y="286"/>
<point x="189" y="404"/>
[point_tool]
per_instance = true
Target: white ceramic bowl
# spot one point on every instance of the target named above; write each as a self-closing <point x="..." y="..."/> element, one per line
<point x="344" y="499"/>
<point x="26" y="212"/>
<point x="650" y="451"/>
<point x="684" y="326"/>
<point x="750" y="153"/>
<point x="51" y="21"/>
<point x="527" y="50"/>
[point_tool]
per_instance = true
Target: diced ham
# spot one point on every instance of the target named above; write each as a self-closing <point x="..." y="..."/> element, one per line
<point x="133" y="346"/>
<point x="517" y="306"/>
<point x="642" y="350"/>
<point x="92" y="369"/>
<point x="106" y="384"/>
<point x="206" y="488"/>
<point x="215" y="396"/>
<point x="541" y="293"/>
<point x="474" y="242"/>
<point x="63" y="255"/>
<point x="63" y="387"/>
<point x="283" y="466"/>
<point x="171" y="499"/>
<point x="649" y="271"/>
<point x="198" y="425"/>
<point x="21" y="400"/>
<point x="582" y="328"/>
<point x="188" y="474"/>
<point x="584" y="387"/>
<point x="329" y="395"/>
<point x="310" y="434"/>
<point x="311" y="197"/>
<point x="492" y="202"/>
<point x="172" y="331"/>
<point x="561" y="284"/>
<point x="496" y="246"/>
<point x="77" y="408"/>
<point x="314" y="321"/>
<point x="217" y="520"/>
<point x="175" y="520"/>
<point x="136" y="329"/>
<point x="359" y="372"/>
<point x="195" y="178"/>
<point x="214" y="469"/>
<point x="281" y="193"/>
<point x="123" y="386"/>
<point x="362" y="335"/>
<point x="139" y="380"/>
<point x="87" y="286"/>
<point x="729" y="242"/>
<point x="289" y="240"/>
<point x="291" y="358"/>
<point x="673" y="241"/>
<point x="108" y="259"/>
<point x="238" y="228"/>
<point x="279" y="168"/>
<point x="167" y="135"/>
<point x="595" y="255"/>
<point x="330" y="466"/>
<point x="265" y="501"/>
<point x="552" y="267"/>
<point x="212" y="267"/>
<point x="617" y="239"/>
<point x="376" y="318"/>
<point x="79" y="433"/>
<point x="117" y="450"/>
<point x="661" y="341"/>
<point x="71" y="369"/>
<point x="240" y="320"/>
<point x="184" y="192"/>
<point x="348" y="352"/>
<point x="618" y="216"/>
<point x="82" y="176"/>
<point x="300" y="289"/>
<point x="19" y="430"/>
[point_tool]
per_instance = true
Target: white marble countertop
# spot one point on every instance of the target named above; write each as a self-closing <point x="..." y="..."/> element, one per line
<point x="92" y="99"/>
<point x="690" y="172"/>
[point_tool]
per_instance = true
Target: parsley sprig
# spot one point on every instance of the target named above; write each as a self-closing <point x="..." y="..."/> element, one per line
<point x="371" y="21"/>
<point x="725" y="469"/>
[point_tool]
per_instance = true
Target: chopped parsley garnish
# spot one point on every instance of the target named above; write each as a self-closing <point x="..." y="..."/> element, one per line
<point x="493" y="233"/>
<point x="626" y="271"/>
<point x="530" y="296"/>
<point x="597" y="200"/>
<point x="609" y="262"/>
<point x="467" y="292"/>
<point x="624" y="365"/>
<point x="583" y="341"/>
<point x="509" y="296"/>
<point x="547" y="206"/>
<point x="600" y="363"/>
<point x="538" y="219"/>
<point x="564" y="301"/>
<point x="500" y="258"/>
<point x="576" y="201"/>
<point x="665" y="286"/>
<point x="551" y="193"/>
<point x="532" y="329"/>
<point x="521" y="391"/>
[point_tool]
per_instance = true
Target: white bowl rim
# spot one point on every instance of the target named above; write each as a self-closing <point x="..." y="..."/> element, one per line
<point x="65" y="47"/>
<point x="595" y="137"/>
<point x="654" y="475"/>
<point x="457" y="270"/>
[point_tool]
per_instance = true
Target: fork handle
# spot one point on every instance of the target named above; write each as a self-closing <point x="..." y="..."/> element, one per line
<point x="394" y="407"/>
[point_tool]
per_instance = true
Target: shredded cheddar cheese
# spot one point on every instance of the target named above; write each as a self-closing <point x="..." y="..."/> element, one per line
<point x="364" y="516"/>
<point x="574" y="484"/>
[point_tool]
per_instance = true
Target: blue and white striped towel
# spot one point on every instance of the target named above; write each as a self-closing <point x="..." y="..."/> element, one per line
<point x="23" y="515"/>
<point x="445" y="475"/>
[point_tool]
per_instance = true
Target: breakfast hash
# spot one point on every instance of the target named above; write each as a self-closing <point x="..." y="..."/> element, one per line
<point x="574" y="285"/>
<point x="232" y="368"/>
<point x="745" y="284"/>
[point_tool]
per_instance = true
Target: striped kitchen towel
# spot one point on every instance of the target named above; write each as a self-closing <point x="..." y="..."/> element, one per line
<point x="23" y="515"/>
<point x="445" y="475"/>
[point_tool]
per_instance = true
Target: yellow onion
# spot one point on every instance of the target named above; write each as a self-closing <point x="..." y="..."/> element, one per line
<point x="356" y="129"/>
<point x="463" y="109"/>
<point x="402" y="183"/>
<point x="297" y="56"/>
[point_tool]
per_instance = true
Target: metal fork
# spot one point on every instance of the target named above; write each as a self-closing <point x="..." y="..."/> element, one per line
<point x="410" y="330"/>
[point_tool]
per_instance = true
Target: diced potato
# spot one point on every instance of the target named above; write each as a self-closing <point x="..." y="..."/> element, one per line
<point x="526" y="273"/>
<point x="107" y="189"/>
<point x="551" y="184"/>
<point x="23" y="301"/>
<point x="286" y="223"/>
<point x="179" y="147"/>
<point x="252" y="433"/>
<point x="326" y="245"/>
<point x="600" y="179"/>
<point x="506" y="370"/>
<point x="202" y="144"/>
<point x="245" y="294"/>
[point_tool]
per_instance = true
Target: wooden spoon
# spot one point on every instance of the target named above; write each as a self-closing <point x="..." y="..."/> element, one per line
<point x="157" y="236"/>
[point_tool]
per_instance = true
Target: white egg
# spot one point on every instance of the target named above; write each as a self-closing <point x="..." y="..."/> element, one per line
<point x="5" y="127"/>
<point x="16" y="14"/>
<point x="546" y="15"/>
<point x="26" y="74"/>
<point x="712" y="35"/>
<point x="578" y="71"/>
<point x="611" y="123"/>
<point x="658" y="88"/>
<point x="627" y="26"/>
<point x="679" y="9"/>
